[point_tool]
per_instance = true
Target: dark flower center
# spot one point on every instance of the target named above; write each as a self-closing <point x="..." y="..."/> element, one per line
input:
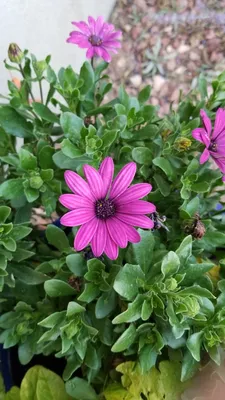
<point x="95" y="40"/>
<point x="213" y="146"/>
<point x="104" y="209"/>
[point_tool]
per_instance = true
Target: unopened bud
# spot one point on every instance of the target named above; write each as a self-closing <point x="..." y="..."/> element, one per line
<point x="15" y="53"/>
<point x="183" y="144"/>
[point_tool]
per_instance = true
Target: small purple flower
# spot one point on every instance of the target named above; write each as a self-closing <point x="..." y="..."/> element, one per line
<point x="97" y="36"/>
<point x="106" y="209"/>
<point x="213" y="140"/>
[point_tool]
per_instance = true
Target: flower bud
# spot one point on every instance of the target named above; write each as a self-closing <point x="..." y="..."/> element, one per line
<point x="182" y="144"/>
<point x="15" y="54"/>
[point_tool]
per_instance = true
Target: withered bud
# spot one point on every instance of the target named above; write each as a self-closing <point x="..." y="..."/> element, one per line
<point x="15" y="54"/>
<point x="182" y="144"/>
<point x="75" y="282"/>
<point x="89" y="120"/>
<point x="199" y="230"/>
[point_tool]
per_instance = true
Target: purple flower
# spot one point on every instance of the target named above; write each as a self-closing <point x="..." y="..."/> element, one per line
<point x="213" y="140"/>
<point x="97" y="36"/>
<point x="106" y="209"/>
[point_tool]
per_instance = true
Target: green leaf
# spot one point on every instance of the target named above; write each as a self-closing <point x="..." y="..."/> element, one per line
<point x="71" y="125"/>
<point x="31" y="194"/>
<point x="4" y="213"/>
<point x="165" y="166"/>
<point x="91" y="291"/>
<point x="128" y="281"/>
<point x="57" y="288"/>
<point x="142" y="155"/>
<point x="188" y="209"/>
<point x="88" y="76"/>
<point x="9" y="243"/>
<point x="184" y="251"/>
<point x="27" y="160"/>
<point x="196" y="291"/>
<point x="14" y="124"/>
<point x="74" y="308"/>
<point x="195" y="271"/>
<point x="47" y="174"/>
<point x="194" y="344"/>
<point x="45" y="157"/>
<point x="143" y="250"/>
<point x="76" y="264"/>
<point x="19" y="232"/>
<point x="64" y="162"/>
<point x="106" y="303"/>
<point x="45" y="113"/>
<point x="57" y="237"/>
<point x="12" y="188"/>
<point x="40" y="383"/>
<point x="109" y="138"/>
<point x="162" y="184"/>
<point x="133" y="312"/>
<point x="80" y="389"/>
<point x="200" y="187"/>
<point x="148" y="356"/>
<point x="170" y="264"/>
<point x="125" y="340"/>
<point x="27" y="274"/>
<point x="144" y="94"/>
<point x="13" y="394"/>
<point x="70" y="150"/>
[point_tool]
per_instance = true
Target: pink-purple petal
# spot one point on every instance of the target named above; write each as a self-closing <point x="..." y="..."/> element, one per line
<point x="77" y="217"/>
<point x="106" y="170"/>
<point x="123" y="179"/>
<point x="221" y="164"/>
<point x="101" y="52"/>
<point x="90" y="52"/>
<point x="72" y="201"/>
<point x="134" y="192"/>
<point x="206" y="121"/>
<point x="94" y="181"/>
<point x="219" y="127"/>
<point x="78" y="185"/>
<point x="85" y="234"/>
<point x="83" y="26"/>
<point x="117" y="231"/>
<point x="111" y="248"/>
<point x="99" y="25"/>
<point x="91" y="22"/>
<point x="201" y="135"/>
<point x="132" y="235"/>
<point x="137" y="207"/>
<point x="205" y="156"/>
<point x="140" y="221"/>
<point x="111" y="43"/>
<point x="99" y="239"/>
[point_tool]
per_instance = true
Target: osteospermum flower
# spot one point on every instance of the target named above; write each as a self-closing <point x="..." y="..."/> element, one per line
<point x="214" y="140"/>
<point x="106" y="209"/>
<point x="98" y="37"/>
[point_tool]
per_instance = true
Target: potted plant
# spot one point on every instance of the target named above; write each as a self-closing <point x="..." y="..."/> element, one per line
<point x="125" y="291"/>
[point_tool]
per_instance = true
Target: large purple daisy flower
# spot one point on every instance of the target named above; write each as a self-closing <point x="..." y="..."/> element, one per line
<point x="106" y="209"/>
<point x="97" y="36"/>
<point x="214" y="140"/>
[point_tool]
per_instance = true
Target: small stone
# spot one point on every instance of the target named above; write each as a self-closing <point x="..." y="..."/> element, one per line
<point x="175" y="95"/>
<point x="136" y="80"/>
<point x="180" y="70"/>
<point x="121" y="63"/>
<point x="154" y="101"/>
<point x="158" y="82"/>
<point x="171" y="65"/>
<point x="183" y="48"/>
<point x="194" y="56"/>
<point x="127" y="28"/>
<point x="169" y="49"/>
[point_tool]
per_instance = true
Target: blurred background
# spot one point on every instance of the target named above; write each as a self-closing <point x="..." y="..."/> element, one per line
<point x="166" y="43"/>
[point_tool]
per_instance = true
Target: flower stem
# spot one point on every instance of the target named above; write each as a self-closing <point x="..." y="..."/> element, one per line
<point x="41" y="91"/>
<point x="22" y="73"/>
<point x="92" y="63"/>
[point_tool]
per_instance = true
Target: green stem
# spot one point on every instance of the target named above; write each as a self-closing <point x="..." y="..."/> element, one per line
<point x="41" y="92"/>
<point x="92" y="63"/>
<point x="22" y="73"/>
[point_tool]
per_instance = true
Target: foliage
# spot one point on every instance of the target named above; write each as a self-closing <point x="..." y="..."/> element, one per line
<point x="39" y="383"/>
<point x="159" y="297"/>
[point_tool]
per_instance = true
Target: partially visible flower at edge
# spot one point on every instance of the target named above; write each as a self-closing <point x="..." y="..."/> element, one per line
<point x="106" y="209"/>
<point x="98" y="37"/>
<point x="213" y="140"/>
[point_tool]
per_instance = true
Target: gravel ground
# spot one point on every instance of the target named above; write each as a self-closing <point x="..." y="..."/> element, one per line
<point x="167" y="44"/>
